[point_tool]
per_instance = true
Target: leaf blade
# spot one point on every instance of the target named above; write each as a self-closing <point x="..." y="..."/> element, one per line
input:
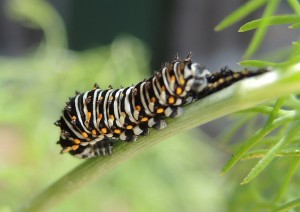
<point x="270" y="155"/>
<point x="270" y="21"/>
<point x="240" y="13"/>
<point x="262" y="30"/>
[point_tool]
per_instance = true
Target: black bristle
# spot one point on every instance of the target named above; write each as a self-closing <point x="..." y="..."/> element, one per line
<point x="189" y="57"/>
<point x="57" y="123"/>
<point x="88" y="99"/>
<point x="157" y="74"/>
<point x="68" y="108"/>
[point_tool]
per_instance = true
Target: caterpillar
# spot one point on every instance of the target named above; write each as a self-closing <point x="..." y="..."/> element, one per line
<point x="93" y="120"/>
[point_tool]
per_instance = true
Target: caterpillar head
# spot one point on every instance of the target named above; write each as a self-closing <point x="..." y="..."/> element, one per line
<point x="199" y="73"/>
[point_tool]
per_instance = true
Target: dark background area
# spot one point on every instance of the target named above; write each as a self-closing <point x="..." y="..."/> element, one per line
<point x="167" y="27"/>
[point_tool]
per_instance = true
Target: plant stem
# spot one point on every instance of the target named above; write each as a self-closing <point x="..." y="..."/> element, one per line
<point x="242" y="95"/>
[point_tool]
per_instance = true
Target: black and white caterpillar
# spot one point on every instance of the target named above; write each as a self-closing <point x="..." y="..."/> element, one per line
<point x="91" y="121"/>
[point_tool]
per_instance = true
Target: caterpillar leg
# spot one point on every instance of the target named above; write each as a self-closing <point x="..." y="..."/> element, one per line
<point x="102" y="148"/>
<point x="128" y="135"/>
<point x="146" y="131"/>
<point x="157" y="123"/>
<point x="173" y="112"/>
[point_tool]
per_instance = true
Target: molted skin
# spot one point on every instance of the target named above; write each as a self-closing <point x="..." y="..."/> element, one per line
<point x="91" y="121"/>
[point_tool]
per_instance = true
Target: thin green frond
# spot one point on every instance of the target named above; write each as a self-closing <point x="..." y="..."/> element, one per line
<point x="294" y="26"/>
<point x="227" y="135"/>
<point x="260" y="33"/>
<point x="270" y="21"/>
<point x="266" y="110"/>
<point x="253" y="140"/>
<point x="260" y="153"/>
<point x="293" y="168"/>
<point x="240" y="13"/>
<point x="257" y="63"/>
<point x="295" y="52"/>
<point x="274" y="113"/>
<point x="271" y="154"/>
<point x="288" y="205"/>
<point x="294" y="4"/>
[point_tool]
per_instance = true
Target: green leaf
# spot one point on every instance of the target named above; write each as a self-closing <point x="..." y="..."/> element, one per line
<point x="262" y="30"/>
<point x="293" y="168"/>
<point x="269" y="21"/>
<point x="259" y="153"/>
<point x="276" y="109"/>
<point x="288" y="205"/>
<point x="240" y="13"/>
<point x="294" y="4"/>
<point x="295" y="53"/>
<point x="254" y="139"/>
<point x="264" y="109"/>
<point x="257" y="63"/>
<point x="270" y="155"/>
<point x="294" y="26"/>
<point x="227" y="135"/>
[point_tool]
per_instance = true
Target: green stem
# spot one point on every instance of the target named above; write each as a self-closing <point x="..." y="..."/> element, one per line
<point x="242" y="95"/>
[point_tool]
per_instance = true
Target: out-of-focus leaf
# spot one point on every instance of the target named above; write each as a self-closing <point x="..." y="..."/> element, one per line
<point x="260" y="33"/>
<point x="240" y="13"/>
<point x="295" y="6"/>
<point x="274" y="20"/>
<point x="270" y="155"/>
<point x="257" y="63"/>
<point x="289" y="205"/>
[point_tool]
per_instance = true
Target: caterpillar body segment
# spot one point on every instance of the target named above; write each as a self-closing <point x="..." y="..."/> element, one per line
<point x="92" y="120"/>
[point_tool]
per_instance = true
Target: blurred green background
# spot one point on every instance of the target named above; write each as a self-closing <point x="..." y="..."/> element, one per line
<point x="50" y="49"/>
